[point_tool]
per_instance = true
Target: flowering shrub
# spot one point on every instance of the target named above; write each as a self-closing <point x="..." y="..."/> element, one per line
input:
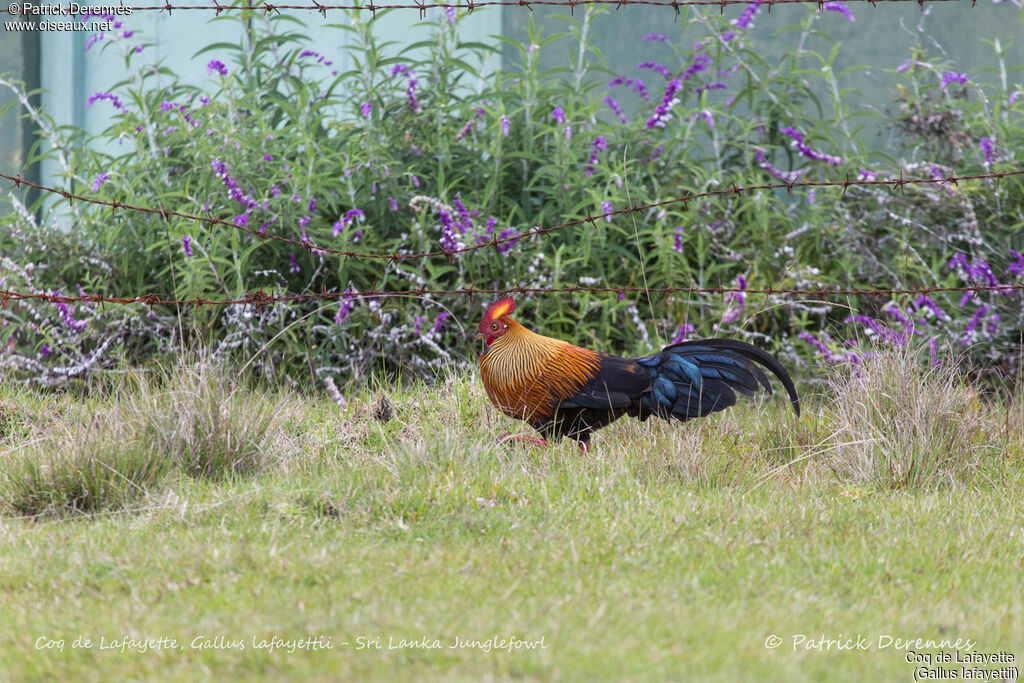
<point x="401" y="156"/>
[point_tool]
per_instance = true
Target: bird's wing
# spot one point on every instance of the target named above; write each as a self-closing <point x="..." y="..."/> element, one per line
<point x="615" y="383"/>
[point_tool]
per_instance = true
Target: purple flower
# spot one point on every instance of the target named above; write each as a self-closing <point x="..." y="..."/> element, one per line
<point x="739" y="297"/>
<point x="614" y="106"/>
<point x="448" y="239"/>
<point x="44" y="350"/>
<point x="268" y="157"/>
<point x="450" y="11"/>
<point x="349" y="218"/>
<point x="345" y="307"/>
<point x="805" y="150"/>
<point x="116" y="103"/>
<point x="504" y="124"/>
<point x="678" y="246"/>
<point x="1016" y="268"/>
<point x="294" y="267"/>
<point x="65" y="312"/>
<point x="414" y="179"/>
<point x="464" y="223"/>
<point x="684" y="329"/>
<point x="700" y="63"/>
<point x="394" y="203"/>
<point x="216" y="65"/>
<point x="784" y="176"/>
<point x="635" y="84"/>
<point x="870" y="324"/>
<point x="979" y="270"/>
<point x="825" y="352"/>
<point x="1013" y="97"/>
<point x="841" y="8"/>
<point x="989" y="150"/>
<point x="414" y="103"/>
<point x="598" y="145"/>
<point x="505" y="247"/>
<point x="568" y="133"/>
<point x="664" y="108"/>
<point x="92" y="39"/>
<point x="399" y="69"/>
<point x="468" y="126"/>
<point x="970" y="332"/>
<point x="319" y="57"/>
<point x="440" y="321"/>
<point x="365" y="108"/>
<point x="186" y="245"/>
<point x="952" y="77"/>
<point x="717" y="85"/>
<point x="657" y="68"/>
<point x="606" y="209"/>
<point x="303" y="222"/>
<point x="929" y="303"/>
<point x="895" y="312"/>
<point x="656" y="36"/>
<point x="558" y="114"/>
<point x="418" y="326"/>
<point x="100" y="179"/>
<point x="744" y="20"/>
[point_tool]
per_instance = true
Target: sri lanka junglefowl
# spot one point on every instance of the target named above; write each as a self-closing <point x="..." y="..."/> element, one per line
<point x="564" y="390"/>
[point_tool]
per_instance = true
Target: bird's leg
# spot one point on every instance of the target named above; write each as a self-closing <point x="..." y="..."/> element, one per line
<point x="522" y="438"/>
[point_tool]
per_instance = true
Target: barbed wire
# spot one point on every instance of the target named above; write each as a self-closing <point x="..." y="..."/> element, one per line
<point x="470" y="5"/>
<point x="896" y="183"/>
<point x="260" y="298"/>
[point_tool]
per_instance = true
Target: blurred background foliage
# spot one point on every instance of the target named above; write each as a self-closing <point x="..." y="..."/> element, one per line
<point x="419" y="147"/>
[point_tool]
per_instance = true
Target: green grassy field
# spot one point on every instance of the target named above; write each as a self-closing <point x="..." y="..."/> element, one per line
<point x="670" y="552"/>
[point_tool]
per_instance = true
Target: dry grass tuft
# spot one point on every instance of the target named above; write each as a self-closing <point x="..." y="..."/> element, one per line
<point x="195" y="419"/>
<point x="901" y="424"/>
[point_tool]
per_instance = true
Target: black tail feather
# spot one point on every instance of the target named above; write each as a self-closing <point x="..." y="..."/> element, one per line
<point x="695" y="378"/>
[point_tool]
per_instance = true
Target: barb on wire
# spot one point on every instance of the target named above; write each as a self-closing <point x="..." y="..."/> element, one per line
<point x="260" y="298"/>
<point x="473" y="4"/>
<point x="900" y="183"/>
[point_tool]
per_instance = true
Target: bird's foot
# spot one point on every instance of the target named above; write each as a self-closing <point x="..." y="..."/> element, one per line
<point x="522" y="438"/>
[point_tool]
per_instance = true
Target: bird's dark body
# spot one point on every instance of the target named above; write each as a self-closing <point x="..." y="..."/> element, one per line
<point x="563" y="390"/>
<point x="660" y="385"/>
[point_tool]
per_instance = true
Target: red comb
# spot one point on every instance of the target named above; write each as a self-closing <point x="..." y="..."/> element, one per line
<point x="499" y="309"/>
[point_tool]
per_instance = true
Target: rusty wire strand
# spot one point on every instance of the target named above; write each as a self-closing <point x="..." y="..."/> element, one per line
<point x="470" y="5"/>
<point x="897" y="183"/>
<point x="260" y="298"/>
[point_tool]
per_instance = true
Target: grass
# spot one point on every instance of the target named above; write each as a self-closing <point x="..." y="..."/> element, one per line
<point x="670" y="552"/>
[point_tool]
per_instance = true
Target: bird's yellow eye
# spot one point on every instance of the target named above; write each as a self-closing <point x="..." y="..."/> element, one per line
<point x="494" y="326"/>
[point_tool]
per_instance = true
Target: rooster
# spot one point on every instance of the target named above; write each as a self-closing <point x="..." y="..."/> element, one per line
<point x="564" y="390"/>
